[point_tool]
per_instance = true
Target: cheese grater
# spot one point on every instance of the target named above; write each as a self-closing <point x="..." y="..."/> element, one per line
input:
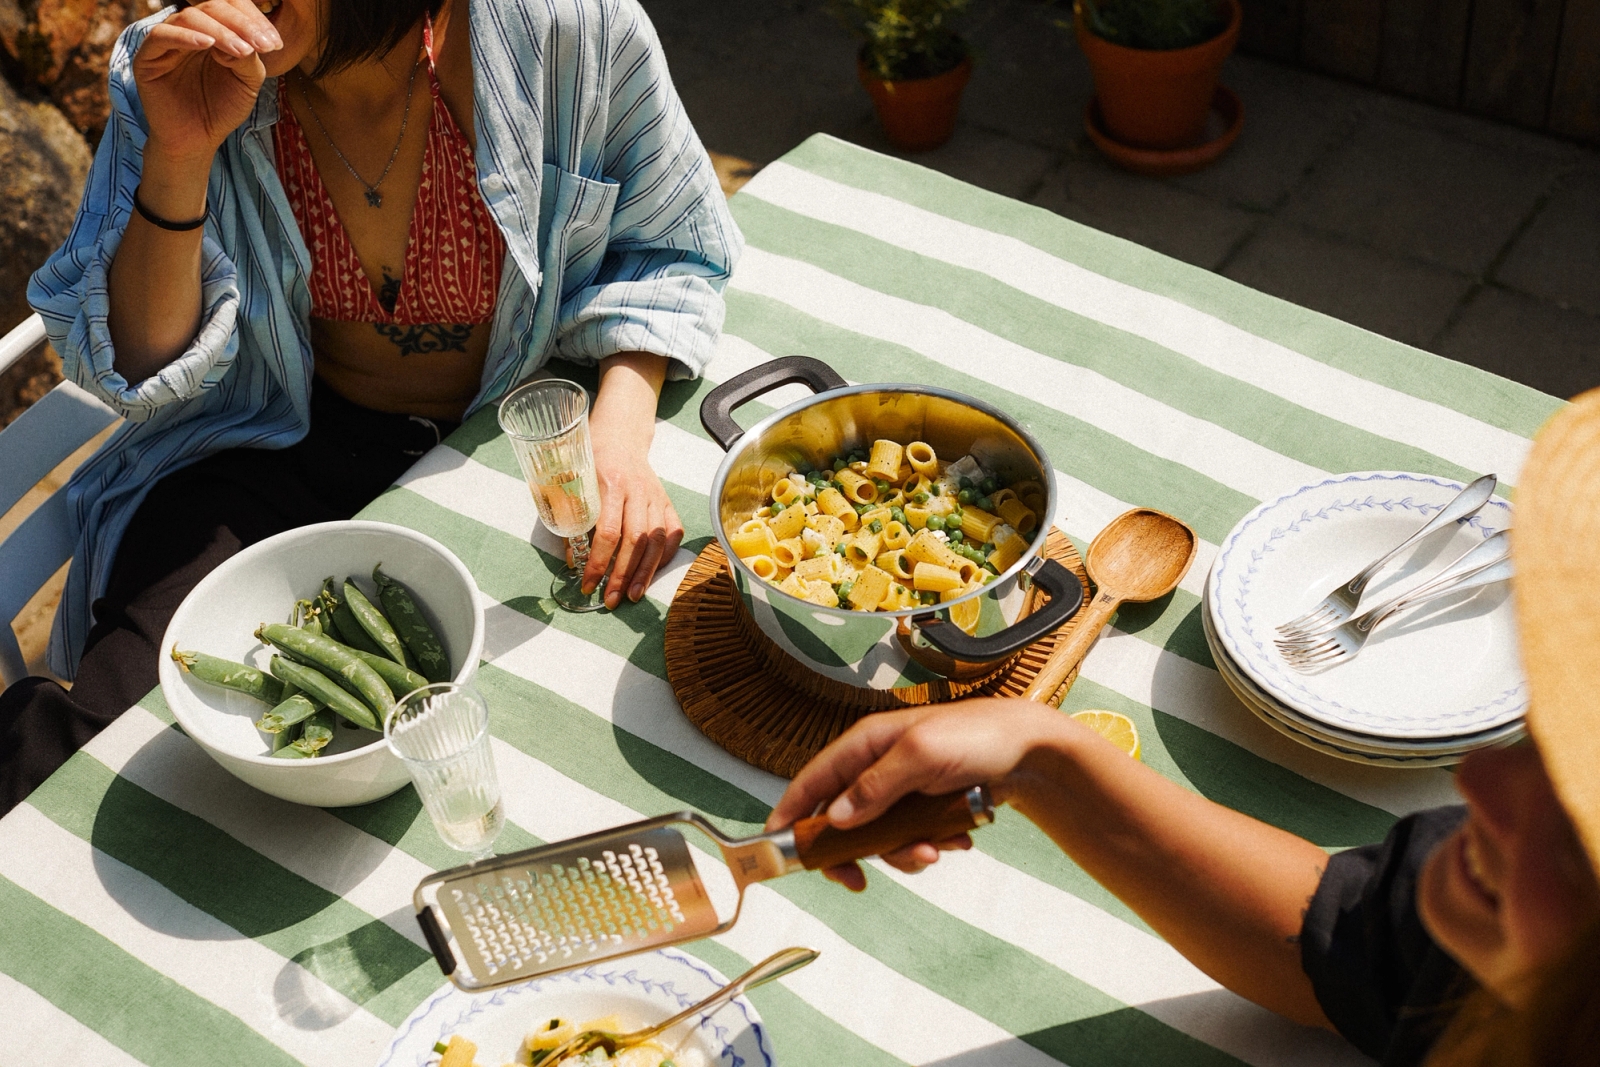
<point x="614" y="893"/>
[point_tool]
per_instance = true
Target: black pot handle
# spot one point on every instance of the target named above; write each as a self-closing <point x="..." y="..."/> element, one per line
<point x="1066" y="597"/>
<point x="716" y="410"/>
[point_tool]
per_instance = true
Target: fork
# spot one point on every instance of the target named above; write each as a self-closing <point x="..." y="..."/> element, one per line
<point x="1342" y="602"/>
<point x="780" y="963"/>
<point x="1346" y="641"/>
<point x="1490" y="550"/>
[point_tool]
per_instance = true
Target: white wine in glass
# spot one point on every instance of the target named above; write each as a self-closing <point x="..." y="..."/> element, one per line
<point x="547" y="422"/>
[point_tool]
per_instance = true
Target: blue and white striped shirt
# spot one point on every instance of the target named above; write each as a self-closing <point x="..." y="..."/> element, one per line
<point x="618" y="239"/>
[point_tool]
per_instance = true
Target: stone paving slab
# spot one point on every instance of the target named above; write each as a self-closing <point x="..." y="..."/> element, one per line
<point x="1469" y="238"/>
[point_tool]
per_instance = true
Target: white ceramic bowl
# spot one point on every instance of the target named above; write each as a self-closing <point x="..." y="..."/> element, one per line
<point x="220" y="617"/>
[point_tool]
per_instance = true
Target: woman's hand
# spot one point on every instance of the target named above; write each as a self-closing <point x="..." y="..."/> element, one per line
<point x="198" y="75"/>
<point x="932" y="750"/>
<point x="638" y="528"/>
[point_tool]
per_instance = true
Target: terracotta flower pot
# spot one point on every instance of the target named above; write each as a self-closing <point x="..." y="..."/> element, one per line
<point x="1156" y="98"/>
<point x="920" y="113"/>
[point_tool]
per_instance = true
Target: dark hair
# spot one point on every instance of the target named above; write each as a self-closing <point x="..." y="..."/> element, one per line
<point x="1560" y="1027"/>
<point x="356" y="30"/>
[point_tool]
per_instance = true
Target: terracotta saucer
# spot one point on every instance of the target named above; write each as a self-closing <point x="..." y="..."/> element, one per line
<point x="1222" y="129"/>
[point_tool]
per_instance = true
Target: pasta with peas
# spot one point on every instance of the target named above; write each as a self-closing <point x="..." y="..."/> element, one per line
<point x="886" y="528"/>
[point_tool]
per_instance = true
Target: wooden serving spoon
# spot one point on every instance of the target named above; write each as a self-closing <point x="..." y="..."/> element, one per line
<point x="1140" y="556"/>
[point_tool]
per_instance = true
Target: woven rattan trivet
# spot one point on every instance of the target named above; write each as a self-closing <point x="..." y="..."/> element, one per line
<point x="764" y="706"/>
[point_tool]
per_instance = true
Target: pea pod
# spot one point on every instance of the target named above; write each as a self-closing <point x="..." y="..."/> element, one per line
<point x="309" y="614"/>
<point x="292" y="751"/>
<point x="339" y="661"/>
<point x="230" y="675"/>
<point x="284" y="738"/>
<point x="342" y="621"/>
<point x="401" y="680"/>
<point x="316" y="733"/>
<point x="412" y="629"/>
<point x="325" y="689"/>
<point x="325" y="604"/>
<point x="291" y="712"/>
<point x="373" y="623"/>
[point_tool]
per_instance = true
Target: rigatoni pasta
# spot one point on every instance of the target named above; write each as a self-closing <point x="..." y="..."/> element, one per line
<point x="888" y="528"/>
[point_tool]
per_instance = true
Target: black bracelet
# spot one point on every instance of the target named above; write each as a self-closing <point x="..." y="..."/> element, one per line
<point x="166" y="224"/>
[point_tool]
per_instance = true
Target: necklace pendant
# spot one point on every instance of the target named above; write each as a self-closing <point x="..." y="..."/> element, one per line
<point x="374" y="198"/>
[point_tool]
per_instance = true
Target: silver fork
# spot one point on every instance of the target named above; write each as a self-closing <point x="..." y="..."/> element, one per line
<point x="1491" y="549"/>
<point x="1346" y="641"/>
<point x="1341" y="603"/>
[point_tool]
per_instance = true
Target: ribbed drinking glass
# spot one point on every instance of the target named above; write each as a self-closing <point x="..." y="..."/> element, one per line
<point x="441" y="734"/>
<point x="547" y="422"/>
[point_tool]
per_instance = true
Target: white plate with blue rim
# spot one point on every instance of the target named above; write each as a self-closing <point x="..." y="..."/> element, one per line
<point x="1355" y="748"/>
<point x="641" y="990"/>
<point x="1447" y="669"/>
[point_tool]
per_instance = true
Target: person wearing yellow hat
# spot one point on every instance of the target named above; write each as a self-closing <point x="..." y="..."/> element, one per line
<point x="1469" y="936"/>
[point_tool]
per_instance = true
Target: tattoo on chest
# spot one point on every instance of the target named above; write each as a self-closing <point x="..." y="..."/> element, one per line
<point x="389" y="291"/>
<point x="423" y="338"/>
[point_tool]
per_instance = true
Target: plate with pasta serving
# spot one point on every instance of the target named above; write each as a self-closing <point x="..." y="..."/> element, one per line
<point x="519" y="1024"/>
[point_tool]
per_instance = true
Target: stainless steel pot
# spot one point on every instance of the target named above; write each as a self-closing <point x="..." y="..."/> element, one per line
<point x="880" y="650"/>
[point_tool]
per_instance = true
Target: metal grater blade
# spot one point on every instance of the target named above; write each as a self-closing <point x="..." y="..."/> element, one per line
<point x="607" y="895"/>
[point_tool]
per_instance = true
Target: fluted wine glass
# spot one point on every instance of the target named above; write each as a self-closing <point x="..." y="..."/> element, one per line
<point x="548" y="424"/>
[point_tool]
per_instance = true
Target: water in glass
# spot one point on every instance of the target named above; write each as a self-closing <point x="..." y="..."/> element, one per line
<point x="441" y="733"/>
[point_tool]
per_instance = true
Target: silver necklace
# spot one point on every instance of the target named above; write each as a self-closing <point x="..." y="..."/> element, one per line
<point x="374" y="198"/>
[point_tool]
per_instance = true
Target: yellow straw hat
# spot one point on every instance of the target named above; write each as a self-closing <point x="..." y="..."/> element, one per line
<point x="1556" y="546"/>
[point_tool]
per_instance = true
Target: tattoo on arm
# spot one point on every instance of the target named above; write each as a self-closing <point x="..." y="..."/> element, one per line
<point x="1294" y="938"/>
<point x="426" y="337"/>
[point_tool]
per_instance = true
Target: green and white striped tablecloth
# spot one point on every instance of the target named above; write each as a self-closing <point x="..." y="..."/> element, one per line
<point x="153" y="909"/>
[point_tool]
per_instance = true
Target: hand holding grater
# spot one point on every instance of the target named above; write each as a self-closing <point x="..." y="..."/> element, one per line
<point x="573" y="903"/>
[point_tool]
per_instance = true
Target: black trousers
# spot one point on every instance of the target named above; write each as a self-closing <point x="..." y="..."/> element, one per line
<point x="191" y="521"/>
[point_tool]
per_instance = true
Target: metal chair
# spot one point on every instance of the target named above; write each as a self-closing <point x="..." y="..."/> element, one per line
<point x="52" y="429"/>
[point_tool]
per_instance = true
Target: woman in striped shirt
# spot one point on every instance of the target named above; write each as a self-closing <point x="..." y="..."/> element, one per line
<point x="317" y="235"/>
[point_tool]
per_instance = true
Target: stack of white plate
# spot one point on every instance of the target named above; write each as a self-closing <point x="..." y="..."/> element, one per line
<point x="1430" y="685"/>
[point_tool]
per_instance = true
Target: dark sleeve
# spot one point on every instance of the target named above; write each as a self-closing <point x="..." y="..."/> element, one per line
<point x="1373" y="967"/>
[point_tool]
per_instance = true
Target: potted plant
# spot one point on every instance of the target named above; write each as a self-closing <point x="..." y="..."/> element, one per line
<point x="912" y="64"/>
<point x="1155" y="65"/>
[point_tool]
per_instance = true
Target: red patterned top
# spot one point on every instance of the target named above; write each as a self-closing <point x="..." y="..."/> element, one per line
<point x="454" y="249"/>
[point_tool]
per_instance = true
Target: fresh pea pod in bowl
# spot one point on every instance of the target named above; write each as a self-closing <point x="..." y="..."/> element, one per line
<point x="220" y="616"/>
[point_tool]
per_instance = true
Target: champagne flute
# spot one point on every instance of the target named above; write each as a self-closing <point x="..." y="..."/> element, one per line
<point x="548" y="424"/>
<point x="441" y="734"/>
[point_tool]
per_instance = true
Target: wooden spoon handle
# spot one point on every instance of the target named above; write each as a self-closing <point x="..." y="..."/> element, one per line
<point x="1069" y="653"/>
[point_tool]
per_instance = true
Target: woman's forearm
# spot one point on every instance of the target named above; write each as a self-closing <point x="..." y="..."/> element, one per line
<point x="1226" y="890"/>
<point x="155" y="275"/>
<point x="625" y="407"/>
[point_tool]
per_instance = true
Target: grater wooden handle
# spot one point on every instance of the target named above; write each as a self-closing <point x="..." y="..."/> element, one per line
<point x="913" y="818"/>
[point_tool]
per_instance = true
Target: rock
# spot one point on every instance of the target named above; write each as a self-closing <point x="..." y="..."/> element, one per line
<point x="27" y="381"/>
<point x="43" y="165"/>
<point x="62" y="47"/>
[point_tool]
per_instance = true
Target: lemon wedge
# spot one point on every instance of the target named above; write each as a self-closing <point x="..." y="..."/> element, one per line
<point x="965" y="615"/>
<point x="1114" y="727"/>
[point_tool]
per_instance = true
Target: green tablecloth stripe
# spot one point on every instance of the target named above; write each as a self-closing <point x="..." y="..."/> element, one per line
<point x="124" y="1000"/>
<point x="1055" y="333"/>
<point x="1090" y="454"/>
<point x="1219" y="770"/>
<point x="921" y="941"/>
<point x="350" y="951"/>
<point x="510" y="571"/>
<point x="1487" y="397"/>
